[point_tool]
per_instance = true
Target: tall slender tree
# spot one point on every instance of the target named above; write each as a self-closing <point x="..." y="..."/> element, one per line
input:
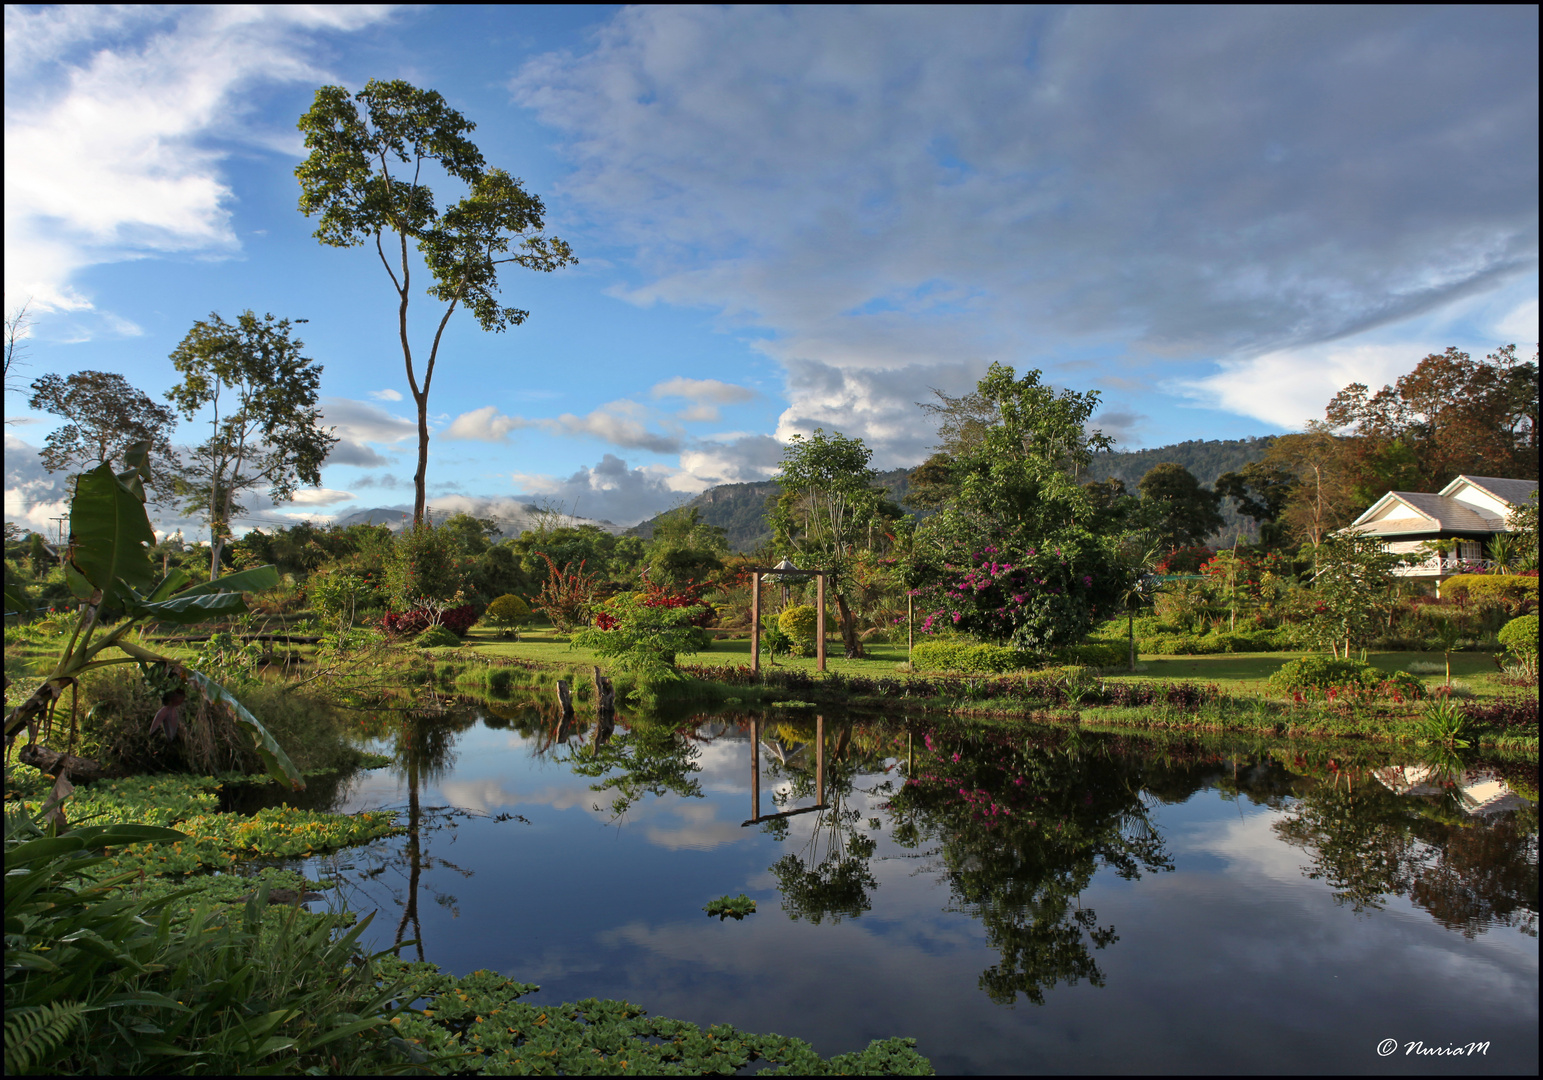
<point x="263" y="420"/>
<point x="365" y="178"/>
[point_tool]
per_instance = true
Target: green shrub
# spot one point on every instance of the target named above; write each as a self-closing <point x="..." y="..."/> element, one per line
<point x="775" y="642"/>
<point x="1491" y="587"/>
<point x="1405" y="684"/>
<point x="1099" y="653"/>
<point x="506" y="613"/>
<point x="961" y="654"/>
<point x="436" y="637"/>
<point x="801" y="624"/>
<point x="1520" y="638"/>
<point x="1318" y="672"/>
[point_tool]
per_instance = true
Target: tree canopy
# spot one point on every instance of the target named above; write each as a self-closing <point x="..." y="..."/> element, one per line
<point x="364" y="179"/>
<point x="264" y="432"/>
<point x="104" y="415"/>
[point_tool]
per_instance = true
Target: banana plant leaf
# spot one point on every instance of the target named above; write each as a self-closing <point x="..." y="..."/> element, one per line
<point x="16" y="599"/>
<point x="169" y="584"/>
<point x="189" y="609"/>
<point x="272" y="754"/>
<point x="254" y="580"/>
<point x="110" y="534"/>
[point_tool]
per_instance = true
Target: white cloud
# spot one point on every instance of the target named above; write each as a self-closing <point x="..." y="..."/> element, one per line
<point x="486" y="424"/>
<point x="1520" y="325"/>
<point x="619" y="423"/>
<point x="320" y="497"/>
<point x="703" y="391"/>
<point x="1292" y="386"/>
<point x="110" y="116"/>
<point x="885" y="191"/>
<point x="386" y="395"/>
<point x="357" y="423"/>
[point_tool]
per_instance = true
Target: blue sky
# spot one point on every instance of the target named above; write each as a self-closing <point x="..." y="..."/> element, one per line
<point x="788" y="218"/>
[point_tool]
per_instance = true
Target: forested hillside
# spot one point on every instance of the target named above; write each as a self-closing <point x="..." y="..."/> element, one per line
<point x="741" y="508"/>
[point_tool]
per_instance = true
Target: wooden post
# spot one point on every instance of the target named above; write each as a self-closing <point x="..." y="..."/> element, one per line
<point x="910" y="626"/>
<point x="605" y="695"/>
<point x="755" y="769"/>
<point x="755" y="621"/>
<point x="819" y="623"/>
<point x="819" y="760"/>
<point x="565" y="699"/>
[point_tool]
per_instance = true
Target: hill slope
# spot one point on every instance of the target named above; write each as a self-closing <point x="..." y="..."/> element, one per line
<point x="740" y="509"/>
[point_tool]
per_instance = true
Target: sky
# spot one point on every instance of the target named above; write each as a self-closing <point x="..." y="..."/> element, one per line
<point x="785" y="219"/>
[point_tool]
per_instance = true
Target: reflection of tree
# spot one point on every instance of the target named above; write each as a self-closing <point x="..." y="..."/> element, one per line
<point x="650" y="759"/>
<point x="1367" y="843"/>
<point x="424" y="752"/>
<point x="1021" y="828"/>
<point x="829" y="878"/>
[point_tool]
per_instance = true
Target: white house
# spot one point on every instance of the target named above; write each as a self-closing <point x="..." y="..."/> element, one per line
<point x="1471" y="510"/>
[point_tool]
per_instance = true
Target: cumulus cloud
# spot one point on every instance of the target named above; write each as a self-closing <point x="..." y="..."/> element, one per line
<point x="357" y="423"/>
<point x="893" y="190"/>
<point x="320" y="497"/>
<point x="114" y="112"/>
<point x="33" y="495"/>
<point x="610" y="489"/>
<point x="620" y="423"/>
<point x="703" y="391"/>
<point x="386" y="395"/>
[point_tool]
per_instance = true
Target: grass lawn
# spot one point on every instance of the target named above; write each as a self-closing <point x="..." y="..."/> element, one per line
<point x="1242" y="673"/>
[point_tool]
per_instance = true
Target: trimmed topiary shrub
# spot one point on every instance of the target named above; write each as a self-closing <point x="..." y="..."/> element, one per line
<point x="961" y="654"/>
<point x="507" y="613"/>
<point x="1491" y="587"/>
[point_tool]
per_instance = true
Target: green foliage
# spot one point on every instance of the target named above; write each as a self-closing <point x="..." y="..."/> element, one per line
<point x="481" y="1015"/>
<point x="436" y="637"/>
<point x="265" y="428"/>
<point x="643" y="638"/>
<point x="1316" y="672"/>
<point x="1493" y="587"/>
<point x="109" y="565"/>
<point x="736" y="907"/>
<point x="775" y="642"/>
<point x="1181" y="512"/>
<point x="1354" y="584"/>
<point x="800" y="625"/>
<point x="423" y="569"/>
<point x="1098" y="654"/>
<point x="507" y="612"/>
<point x="1445" y="724"/>
<point x="961" y="654"/>
<point x="103" y="416"/>
<point x="100" y="982"/>
<point x="1519" y="638"/>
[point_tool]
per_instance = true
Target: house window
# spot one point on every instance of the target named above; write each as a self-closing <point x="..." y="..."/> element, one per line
<point x="1469" y="549"/>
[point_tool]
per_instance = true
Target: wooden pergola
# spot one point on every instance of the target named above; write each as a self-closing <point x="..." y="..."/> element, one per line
<point x="784" y="571"/>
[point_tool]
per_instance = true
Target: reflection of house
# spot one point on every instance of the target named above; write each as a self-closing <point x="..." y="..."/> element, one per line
<point x="1482" y="793"/>
<point x="1469" y="512"/>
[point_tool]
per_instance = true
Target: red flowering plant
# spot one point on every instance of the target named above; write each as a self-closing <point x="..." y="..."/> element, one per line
<point x="1036" y="600"/>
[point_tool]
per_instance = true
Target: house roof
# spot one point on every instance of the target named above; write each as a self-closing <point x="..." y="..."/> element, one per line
<point x="1515" y="492"/>
<point x="1428" y="513"/>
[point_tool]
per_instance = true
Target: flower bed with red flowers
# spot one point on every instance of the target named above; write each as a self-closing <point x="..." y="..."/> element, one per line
<point x="458" y="620"/>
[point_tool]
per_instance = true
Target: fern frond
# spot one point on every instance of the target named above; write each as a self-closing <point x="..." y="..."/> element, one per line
<point x="33" y="1032"/>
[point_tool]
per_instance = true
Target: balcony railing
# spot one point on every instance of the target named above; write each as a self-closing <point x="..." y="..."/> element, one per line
<point x="1443" y="565"/>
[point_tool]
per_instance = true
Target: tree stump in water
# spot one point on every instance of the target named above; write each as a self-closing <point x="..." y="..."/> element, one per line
<point x="605" y="695"/>
<point x="565" y="699"/>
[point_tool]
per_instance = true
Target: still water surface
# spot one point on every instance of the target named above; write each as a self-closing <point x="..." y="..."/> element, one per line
<point x="1040" y="901"/>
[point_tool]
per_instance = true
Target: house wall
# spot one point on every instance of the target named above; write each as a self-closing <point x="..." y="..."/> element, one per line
<point x="1482" y="501"/>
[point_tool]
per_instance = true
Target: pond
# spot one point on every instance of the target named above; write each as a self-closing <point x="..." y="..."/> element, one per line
<point x="1026" y="899"/>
